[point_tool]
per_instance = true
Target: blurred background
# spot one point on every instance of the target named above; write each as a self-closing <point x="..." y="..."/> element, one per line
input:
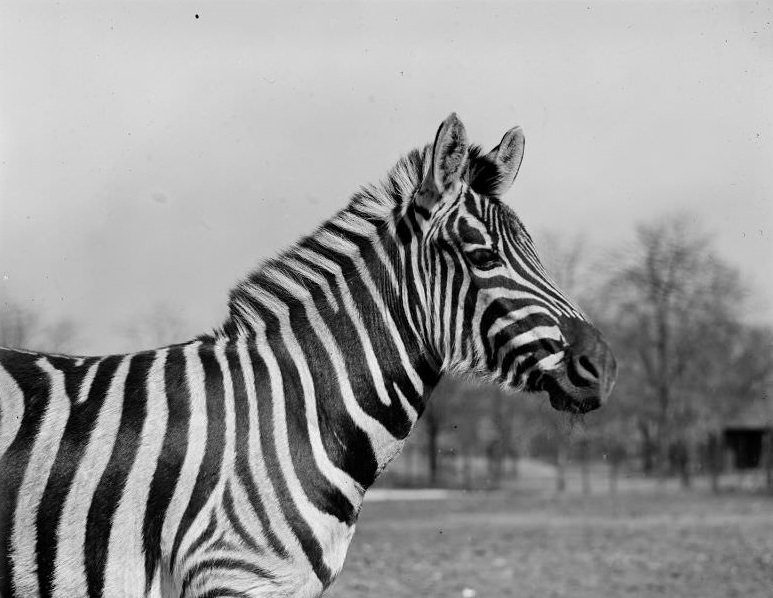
<point x="152" y="153"/>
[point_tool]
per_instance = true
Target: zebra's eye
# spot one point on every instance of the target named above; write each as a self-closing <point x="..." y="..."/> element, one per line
<point x="483" y="259"/>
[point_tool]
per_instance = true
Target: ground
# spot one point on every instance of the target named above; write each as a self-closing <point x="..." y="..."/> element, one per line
<point x="679" y="545"/>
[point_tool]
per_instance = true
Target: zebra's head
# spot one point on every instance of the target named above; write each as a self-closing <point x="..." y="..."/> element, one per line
<point x="493" y="311"/>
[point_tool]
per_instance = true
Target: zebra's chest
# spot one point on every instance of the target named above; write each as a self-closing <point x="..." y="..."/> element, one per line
<point x="257" y="570"/>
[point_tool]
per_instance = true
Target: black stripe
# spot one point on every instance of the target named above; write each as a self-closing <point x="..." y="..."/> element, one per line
<point x="498" y="308"/>
<point x="507" y="333"/>
<point x="469" y="235"/>
<point x="297" y="523"/>
<point x="383" y="343"/>
<point x="333" y="417"/>
<point x="425" y="366"/>
<point x="76" y="437"/>
<point x="110" y="488"/>
<point x="456" y="299"/>
<point x="392" y="416"/>
<point x="535" y="350"/>
<point x="543" y="290"/>
<point x="236" y="523"/>
<point x="441" y="279"/>
<point x="574" y="377"/>
<point x="37" y="390"/>
<point x="524" y="365"/>
<point x="422" y="211"/>
<point x="243" y="453"/>
<point x="207" y="566"/>
<point x="205" y="536"/>
<point x="426" y="363"/>
<point x="73" y="374"/>
<point x="209" y="471"/>
<point x="170" y="460"/>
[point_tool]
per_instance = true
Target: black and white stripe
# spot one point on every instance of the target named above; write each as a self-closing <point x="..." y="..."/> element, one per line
<point x="235" y="464"/>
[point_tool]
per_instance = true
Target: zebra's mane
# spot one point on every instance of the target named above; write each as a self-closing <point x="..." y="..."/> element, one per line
<point x="373" y="207"/>
<point x="388" y="199"/>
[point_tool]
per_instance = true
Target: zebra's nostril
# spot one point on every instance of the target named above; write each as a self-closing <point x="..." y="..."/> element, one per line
<point x="588" y="366"/>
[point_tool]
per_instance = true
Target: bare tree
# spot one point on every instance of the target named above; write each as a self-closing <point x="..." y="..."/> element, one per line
<point x="677" y="311"/>
<point x="572" y="265"/>
<point x="23" y="329"/>
<point x="433" y="423"/>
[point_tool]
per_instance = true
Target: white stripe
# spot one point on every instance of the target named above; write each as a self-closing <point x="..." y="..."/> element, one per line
<point x="335" y="476"/>
<point x="550" y="362"/>
<point x="88" y="379"/>
<point x="447" y="315"/>
<point x="69" y="574"/>
<point x="514" y="317"/>
<point x="11" y="409"/>
<point x="532" y="335"/>
<point x="419" y="290"/>
<point x="197" y="440"/>
<point x="356" y="320"/>
<point x="435" y="314"/>
<point x="373" y="362"/>
<point x="263" y="483"/>
<point x="396" y="289"/>
<point x="227" y="465"/>
<point x="125" y="568"/>
<point x="336" y="243"/>
<point x="354" y="224"/>
<point x="554" y="296"/>
<point x="44" y="450"/>
<point x="484" y="300"/>
<point x="214" y="501"/>
<point x="301" y="268"/>
<point x="374" y="365"/>
<point x="378" y="299"/>
<point x="458" y="341"/>
<point x="333" y="535"/>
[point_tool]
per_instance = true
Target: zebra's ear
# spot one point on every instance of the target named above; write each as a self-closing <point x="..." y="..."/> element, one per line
<point x="449" y="161"/>
<point x="508" y="156"/>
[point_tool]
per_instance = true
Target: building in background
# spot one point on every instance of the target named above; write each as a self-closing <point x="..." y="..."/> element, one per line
<point x="749" y="435"/>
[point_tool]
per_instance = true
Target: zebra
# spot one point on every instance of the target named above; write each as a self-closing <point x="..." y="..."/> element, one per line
<point x="236" y="464"/>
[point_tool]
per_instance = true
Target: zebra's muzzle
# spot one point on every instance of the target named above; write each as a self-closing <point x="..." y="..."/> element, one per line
<point x="562" y="402"/>
<point x="585" y="377"/>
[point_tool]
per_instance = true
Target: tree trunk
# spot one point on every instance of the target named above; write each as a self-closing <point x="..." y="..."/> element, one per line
<point x="767" y="459"/>
<point x="714" y="450"/>
<point x="494" y="463"/>
<point x="663" y="445"/>
<point x="561" y="467"/>
<point x="433" y="431"/>
<point x="614" y="473"/>
<point x="467" y="469"/>
<point x="647" y="453"/>
<point x="583" y="454"/>
<point x="683" y="459"/>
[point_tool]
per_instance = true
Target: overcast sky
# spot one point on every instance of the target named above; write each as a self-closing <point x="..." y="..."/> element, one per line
<point x="150" y="157"/>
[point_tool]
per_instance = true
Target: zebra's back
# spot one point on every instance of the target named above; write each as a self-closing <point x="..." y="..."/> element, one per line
<point x="115" y="477"/>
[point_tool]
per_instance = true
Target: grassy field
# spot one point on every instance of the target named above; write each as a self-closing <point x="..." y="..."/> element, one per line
<point x="491" y="545"/>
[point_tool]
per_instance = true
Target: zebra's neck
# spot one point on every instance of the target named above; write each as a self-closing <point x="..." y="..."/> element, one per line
<point x="335" y="313"/>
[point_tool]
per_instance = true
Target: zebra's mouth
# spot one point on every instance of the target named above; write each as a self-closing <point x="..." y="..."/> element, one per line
<point x="564" y="403"/>
<point x="561" y="400"/>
